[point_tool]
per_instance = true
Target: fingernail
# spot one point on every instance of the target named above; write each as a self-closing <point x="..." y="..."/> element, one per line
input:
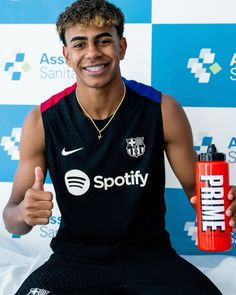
<point x="228" y="212"/>
<point x="230" y="197"/>
<point x="232" y="223"/>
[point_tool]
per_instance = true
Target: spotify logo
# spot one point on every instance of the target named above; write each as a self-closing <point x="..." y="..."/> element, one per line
<point x="77" y="182"/>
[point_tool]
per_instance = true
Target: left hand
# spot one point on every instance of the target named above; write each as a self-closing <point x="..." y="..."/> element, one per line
<point x="230" y="211"/>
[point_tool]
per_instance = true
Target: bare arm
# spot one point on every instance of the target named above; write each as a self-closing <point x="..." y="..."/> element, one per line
<point x="29" y="204"/>
<point x="181" y="154"/>
<point x="179" y="144"/>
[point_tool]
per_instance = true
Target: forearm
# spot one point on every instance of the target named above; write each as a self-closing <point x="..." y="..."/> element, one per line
<point x="13" y="220"/>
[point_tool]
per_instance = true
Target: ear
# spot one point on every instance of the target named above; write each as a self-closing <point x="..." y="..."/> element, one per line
<point x="123" y="47"/>
<point x="66" y="55"/>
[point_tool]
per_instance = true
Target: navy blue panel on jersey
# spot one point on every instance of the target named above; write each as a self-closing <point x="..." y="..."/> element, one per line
<point x="144" y="90"/>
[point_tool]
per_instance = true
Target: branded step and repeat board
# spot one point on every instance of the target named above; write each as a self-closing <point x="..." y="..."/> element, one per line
<point x="182" y="48"/>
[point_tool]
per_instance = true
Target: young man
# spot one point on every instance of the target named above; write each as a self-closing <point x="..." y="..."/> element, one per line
<point x="103" y="142"/>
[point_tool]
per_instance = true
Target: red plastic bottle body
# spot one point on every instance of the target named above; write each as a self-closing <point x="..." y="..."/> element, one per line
<point x="212" y="187"/>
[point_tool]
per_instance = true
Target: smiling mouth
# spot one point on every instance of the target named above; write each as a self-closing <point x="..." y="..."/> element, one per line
<point x="96" y="69"/>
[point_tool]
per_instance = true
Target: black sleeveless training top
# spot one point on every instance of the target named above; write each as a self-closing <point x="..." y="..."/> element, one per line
<point x="111" y="191"/>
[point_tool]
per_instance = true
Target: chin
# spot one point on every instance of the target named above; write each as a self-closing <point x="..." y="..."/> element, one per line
<point x="98" y="83"/>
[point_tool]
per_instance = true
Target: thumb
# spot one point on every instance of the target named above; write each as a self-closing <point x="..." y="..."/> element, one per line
<point x="39" y="179"/>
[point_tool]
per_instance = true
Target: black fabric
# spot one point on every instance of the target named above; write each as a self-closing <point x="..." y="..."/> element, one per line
<point x="106" y="220"/>
<point x="146" y="272"/>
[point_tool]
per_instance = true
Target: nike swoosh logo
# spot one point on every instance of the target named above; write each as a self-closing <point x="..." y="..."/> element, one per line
<point x="67" y="153"/>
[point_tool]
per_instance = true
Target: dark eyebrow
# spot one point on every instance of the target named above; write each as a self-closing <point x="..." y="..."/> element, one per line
<point x="78" y="38"/>
<point x="106" y="34"/>
<point x="82" y="38"/>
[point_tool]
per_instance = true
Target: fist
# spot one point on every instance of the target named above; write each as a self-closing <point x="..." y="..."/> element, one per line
<point x="37" y="205"/>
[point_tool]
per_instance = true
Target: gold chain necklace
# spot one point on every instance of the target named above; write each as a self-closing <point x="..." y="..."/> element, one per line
<point x="91" y="119"/>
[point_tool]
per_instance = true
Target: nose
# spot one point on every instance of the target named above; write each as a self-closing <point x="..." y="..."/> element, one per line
<point x="93" y="51"/>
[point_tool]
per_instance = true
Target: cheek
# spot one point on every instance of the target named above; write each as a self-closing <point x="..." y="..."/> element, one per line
<point x="118" y="54"/>
<point x="73" y="59"/>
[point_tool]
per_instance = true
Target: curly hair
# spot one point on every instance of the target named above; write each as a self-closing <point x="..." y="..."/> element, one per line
<point x="90" y="12"/>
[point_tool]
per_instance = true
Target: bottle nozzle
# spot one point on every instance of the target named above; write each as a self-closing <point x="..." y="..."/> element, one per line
<point x="211" y="154"/>
<point x="211" y="149"/>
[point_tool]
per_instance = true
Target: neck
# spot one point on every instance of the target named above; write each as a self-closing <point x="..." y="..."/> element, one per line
<point x="100" y="103"/>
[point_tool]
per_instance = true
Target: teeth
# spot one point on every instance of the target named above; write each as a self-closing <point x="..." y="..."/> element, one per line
<point x="95" y="68"/>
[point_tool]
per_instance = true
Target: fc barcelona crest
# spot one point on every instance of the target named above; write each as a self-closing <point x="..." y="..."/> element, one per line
<point x="135" y="146"/>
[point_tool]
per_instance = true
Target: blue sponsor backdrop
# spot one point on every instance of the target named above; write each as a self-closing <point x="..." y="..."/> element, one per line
<point x="11" y="117"/>
<point x="46" y="11"/>
<point x="174" y="47"/>
<point x="182" y="227"/>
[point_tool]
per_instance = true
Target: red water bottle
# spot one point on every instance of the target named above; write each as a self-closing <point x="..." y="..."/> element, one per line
<point x="212" y="187"/>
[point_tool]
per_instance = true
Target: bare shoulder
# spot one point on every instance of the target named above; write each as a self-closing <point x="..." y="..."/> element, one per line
<point x="170" y="105"/>
<point x="175" y="121"/>
<point x="32" y="135"/>
<point x="33" y="118"/>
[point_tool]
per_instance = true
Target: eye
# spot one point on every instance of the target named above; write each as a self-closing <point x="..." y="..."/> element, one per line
<point x="103" y="42"/>
<point x="79" y="45"/>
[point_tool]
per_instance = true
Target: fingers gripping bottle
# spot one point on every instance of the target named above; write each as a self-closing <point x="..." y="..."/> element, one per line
<point x="212" y="187"/>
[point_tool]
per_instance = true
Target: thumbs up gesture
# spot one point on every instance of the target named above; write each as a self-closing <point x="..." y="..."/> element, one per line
<point x="37" y="205"/>
<point x="39" y="179"/>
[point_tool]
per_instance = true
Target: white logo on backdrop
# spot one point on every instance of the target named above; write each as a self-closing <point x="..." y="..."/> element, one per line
<point x="191" y="229"/>
<point x="11" y="143"/>
<point x="203" y="66"/>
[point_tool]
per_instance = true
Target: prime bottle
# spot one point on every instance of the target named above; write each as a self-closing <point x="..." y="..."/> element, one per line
<point x="212" y="187"/>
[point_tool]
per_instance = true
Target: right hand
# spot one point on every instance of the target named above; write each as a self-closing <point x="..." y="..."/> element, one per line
<point x="37" y="204"/>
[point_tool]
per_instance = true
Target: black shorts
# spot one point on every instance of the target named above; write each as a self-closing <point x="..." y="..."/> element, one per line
<point x="145" y="272"/>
